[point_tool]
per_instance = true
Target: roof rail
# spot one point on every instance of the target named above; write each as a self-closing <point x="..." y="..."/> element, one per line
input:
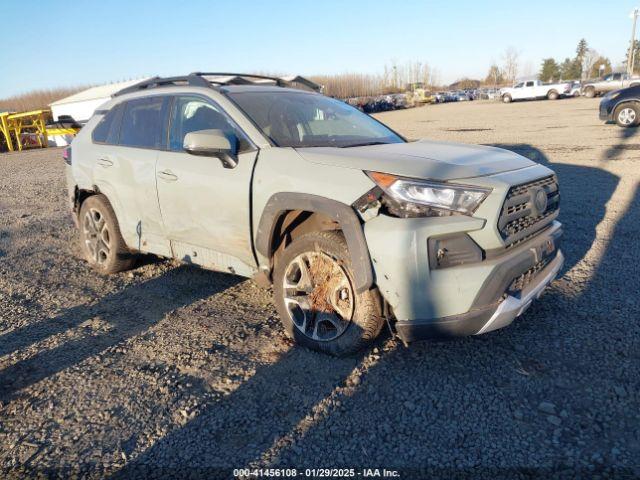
<point x="154" y="82"/>
<point x="198" y="79"/>
<point x="279" y="81"/>
<point x="234" y="78"/>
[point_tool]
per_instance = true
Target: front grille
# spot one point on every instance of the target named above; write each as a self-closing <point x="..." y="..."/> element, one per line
<point x="528" y="208"/>
<point x="521" y="281"/>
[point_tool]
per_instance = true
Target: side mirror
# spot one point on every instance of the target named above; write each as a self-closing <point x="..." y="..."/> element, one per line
<point x="212" y="143"/>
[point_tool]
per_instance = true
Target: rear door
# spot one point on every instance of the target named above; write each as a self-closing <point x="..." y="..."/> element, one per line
<point x="124" y="170"/>
<point x="205" y="206"/>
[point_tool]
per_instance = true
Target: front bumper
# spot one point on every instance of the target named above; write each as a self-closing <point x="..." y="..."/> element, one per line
<point x="461" y="300"/>
<point x="605" y="112"/>
<point x="482" y="319"/>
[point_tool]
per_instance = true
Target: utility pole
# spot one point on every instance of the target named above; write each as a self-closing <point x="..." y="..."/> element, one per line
<point x="631" y="57"/>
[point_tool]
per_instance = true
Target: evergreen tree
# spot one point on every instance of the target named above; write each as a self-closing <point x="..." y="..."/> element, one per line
<point x="550" y="70"/>
<point x="581" y="49"/>
<point x="570" y="69"/>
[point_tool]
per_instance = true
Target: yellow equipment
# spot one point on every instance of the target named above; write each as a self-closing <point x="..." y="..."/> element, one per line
<point x="14" y="125"/>
<point x="422" y="96"/>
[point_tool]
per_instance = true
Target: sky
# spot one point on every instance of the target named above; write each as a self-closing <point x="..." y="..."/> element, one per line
<point x="65" y="44"/>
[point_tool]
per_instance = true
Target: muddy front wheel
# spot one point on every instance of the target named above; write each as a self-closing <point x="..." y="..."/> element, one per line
<point x="316" y="298"/>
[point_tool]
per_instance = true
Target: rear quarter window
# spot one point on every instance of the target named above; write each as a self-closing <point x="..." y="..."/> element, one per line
<point x="108" y="129"/>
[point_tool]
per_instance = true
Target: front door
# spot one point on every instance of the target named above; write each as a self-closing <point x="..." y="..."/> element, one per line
<point x="518" y="91"/>
<point x="205" y="207"/>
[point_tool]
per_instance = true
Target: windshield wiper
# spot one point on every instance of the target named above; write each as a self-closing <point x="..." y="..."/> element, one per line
<point x="364" y="144"/>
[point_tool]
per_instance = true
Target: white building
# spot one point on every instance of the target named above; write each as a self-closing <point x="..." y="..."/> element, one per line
<point x="80" y="106"/>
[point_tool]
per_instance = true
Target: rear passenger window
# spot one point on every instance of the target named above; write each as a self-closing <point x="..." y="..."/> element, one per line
<point x="143" y="123"/>
<point x="108" y="128"/>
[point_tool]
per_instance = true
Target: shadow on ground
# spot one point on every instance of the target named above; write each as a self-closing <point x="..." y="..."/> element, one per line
<point x="111" y="320"/>
<point x="616" y="150"/>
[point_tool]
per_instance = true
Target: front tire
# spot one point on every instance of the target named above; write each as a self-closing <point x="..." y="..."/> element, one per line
<point x="101" y="243"/>
<point x="590" y="92"/>
<point x="507" y="98"/>
<point x="627" y="115"/>
<point x="317" y="300"/>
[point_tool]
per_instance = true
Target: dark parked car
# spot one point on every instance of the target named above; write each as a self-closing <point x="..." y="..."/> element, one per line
<point x="622" y="107"/>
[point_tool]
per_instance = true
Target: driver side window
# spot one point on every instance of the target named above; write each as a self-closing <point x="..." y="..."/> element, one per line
<point x="190" y="114"/>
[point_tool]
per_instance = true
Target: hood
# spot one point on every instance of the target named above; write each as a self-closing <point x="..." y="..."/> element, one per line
<point x="422" y="159"/>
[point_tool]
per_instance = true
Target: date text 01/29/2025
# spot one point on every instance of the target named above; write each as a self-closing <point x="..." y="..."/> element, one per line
<point x="248" y="473"/>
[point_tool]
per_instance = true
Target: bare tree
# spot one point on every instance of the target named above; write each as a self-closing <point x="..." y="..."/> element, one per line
<point x="510" y="58"/>
<point x="528" y="70"/>
<point x="588" y="61"/>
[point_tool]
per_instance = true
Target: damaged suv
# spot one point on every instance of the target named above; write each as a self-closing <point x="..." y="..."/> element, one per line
<point x="353" y="225"/>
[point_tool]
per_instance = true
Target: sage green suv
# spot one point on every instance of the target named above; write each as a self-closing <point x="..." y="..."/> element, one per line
<point x="353" y="225"/>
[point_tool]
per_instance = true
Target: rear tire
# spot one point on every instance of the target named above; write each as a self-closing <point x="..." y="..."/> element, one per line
<point x="553" y="95"/>
<point x="101" y="243"/>
<point x="589" y="92"/>
<point x="317" y="300"/>
<point x="507" y="98"/>
<point x="627" y="115"/>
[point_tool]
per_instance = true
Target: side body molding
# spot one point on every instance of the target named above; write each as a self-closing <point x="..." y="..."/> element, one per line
<point x="343" y="214"/>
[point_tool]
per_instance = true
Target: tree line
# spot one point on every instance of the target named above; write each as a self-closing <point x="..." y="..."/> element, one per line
<point x="586" y="63"/>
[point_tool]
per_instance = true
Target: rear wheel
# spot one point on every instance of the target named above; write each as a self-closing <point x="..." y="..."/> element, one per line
<point x="507" y="98"/>
<point x="317" y="300"/>
<point x="553" y="95"/>
<point x="100" y="239"/>
<point x="627" y="115"/>
<point x="589" y="92"/>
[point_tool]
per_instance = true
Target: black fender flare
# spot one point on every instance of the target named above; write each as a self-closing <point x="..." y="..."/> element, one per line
<point x="341" y="213"/>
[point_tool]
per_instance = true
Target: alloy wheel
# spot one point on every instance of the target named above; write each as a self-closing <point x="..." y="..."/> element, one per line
<point x="97" y="237"/>
<point x="318" y="296"/>
<point x="627" y="116"/>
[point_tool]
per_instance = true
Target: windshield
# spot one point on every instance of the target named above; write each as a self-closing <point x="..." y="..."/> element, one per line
<point x="292" y="119"/>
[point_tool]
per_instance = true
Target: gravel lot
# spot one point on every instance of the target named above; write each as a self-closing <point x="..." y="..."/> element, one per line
<point x="171" y="370"/>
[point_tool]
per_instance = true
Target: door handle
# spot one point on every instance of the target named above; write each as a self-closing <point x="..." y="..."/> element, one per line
<point x="167" y="176"/>
<point x="105" y="162"/>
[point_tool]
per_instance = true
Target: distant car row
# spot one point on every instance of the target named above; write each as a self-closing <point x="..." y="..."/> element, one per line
<point x="525" y="90"/>
<point x="465" y="95"/>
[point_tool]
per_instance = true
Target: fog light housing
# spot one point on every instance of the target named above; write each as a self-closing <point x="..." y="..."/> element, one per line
<point x="453" y="250"/>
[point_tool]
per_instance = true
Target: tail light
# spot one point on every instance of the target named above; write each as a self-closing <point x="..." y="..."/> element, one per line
<point x="66" y="154"/>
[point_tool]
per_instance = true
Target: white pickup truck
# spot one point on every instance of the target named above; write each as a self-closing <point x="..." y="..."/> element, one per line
<point x="532" y="89"/>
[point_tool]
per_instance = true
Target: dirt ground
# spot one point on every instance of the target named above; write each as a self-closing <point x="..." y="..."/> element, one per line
<point x="169" y="370"/>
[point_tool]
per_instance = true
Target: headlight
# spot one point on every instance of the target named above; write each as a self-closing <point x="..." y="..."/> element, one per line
<point x="409" y="197"/>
